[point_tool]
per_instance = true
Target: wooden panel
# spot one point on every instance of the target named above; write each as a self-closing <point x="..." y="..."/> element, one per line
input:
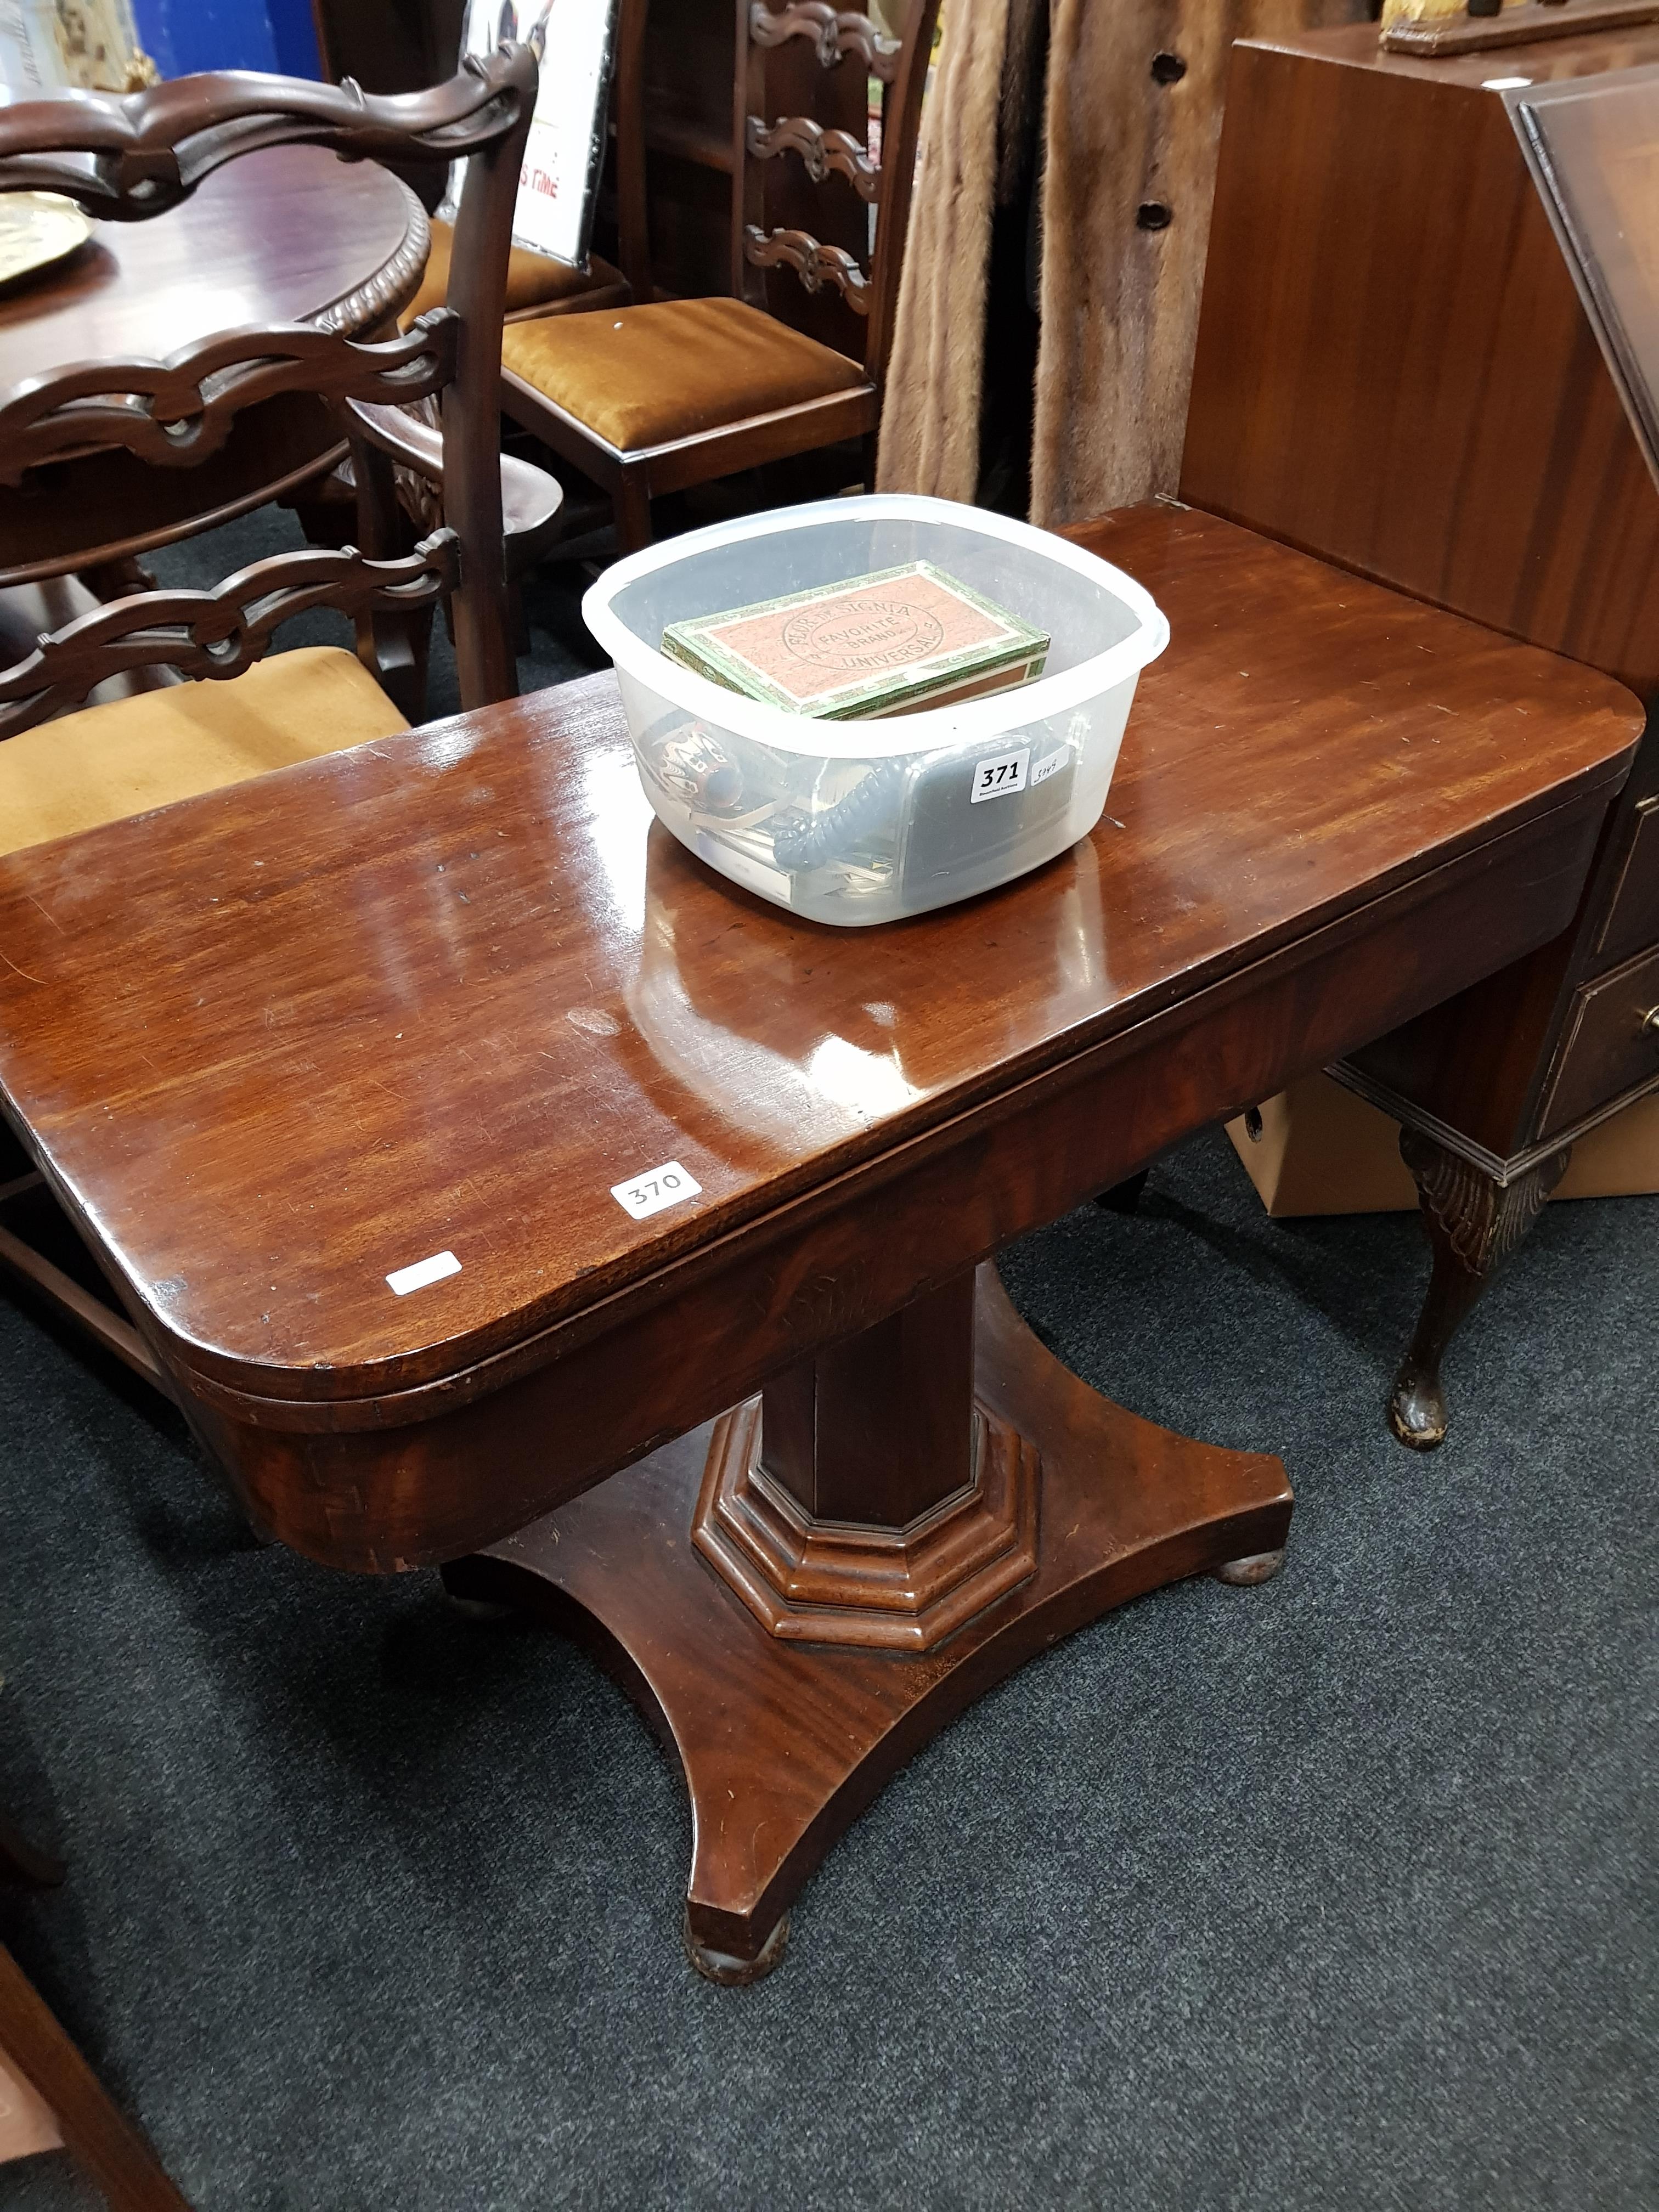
<point x="1394" y="370"/>
<point x="372" y="998"/>
<point x="1611" y="1046"/>
<point x="1633" y="921"/>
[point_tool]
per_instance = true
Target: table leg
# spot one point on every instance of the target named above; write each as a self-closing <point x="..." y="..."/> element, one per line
<point x="799" y="1595"/>
<point x="1473" y="1226"/>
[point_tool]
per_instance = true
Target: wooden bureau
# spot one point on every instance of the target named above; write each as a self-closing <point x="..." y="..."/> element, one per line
<point x="1395" y="370"/>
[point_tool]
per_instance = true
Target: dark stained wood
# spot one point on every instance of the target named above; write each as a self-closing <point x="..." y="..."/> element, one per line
<point x="1473" y="1223"/>
<point x="415" y="974"/>
<point x="1611" y="1046"/>
<point x="106" y="2146"/>
<point x="1395" y="371"/>
<point x="782" y="1745"/>
<point x="1632" y="919"/>
<point x="219" y="633"/>
<point x="888" y="1437"/>
<point x="132" y="158"/>
<point x="290" y="234"/>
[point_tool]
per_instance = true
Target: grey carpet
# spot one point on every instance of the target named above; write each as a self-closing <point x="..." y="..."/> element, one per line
<point x="1336" y="1892"/>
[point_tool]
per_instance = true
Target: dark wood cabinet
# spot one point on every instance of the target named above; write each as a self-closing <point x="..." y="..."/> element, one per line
<point x="1396" y="370"/>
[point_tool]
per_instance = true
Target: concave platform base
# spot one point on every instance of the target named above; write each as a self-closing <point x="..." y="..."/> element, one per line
<point x="784" y="1743"/>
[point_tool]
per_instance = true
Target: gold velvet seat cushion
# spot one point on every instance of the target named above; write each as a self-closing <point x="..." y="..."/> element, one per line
<point x="109" y="762"/>
<point x="532" y="279"/>
<point x="644" y="376"/>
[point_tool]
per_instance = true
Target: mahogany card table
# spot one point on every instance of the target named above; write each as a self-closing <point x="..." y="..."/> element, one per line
<point x="497" y="1189"/>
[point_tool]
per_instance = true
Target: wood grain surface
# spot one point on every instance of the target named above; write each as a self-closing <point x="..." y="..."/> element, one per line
<point x="1394" y="370"/>
<point x="442" y="992"/>
<point x="278" y="236"/>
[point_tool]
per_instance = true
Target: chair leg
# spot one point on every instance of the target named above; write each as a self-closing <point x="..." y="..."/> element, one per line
<point x="631" y="504"/>
<point x="104" y="2144"/>
<point x="1472" y="1224"/>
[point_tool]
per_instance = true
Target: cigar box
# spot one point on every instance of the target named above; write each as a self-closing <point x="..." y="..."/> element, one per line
<point x="889" y="643"/>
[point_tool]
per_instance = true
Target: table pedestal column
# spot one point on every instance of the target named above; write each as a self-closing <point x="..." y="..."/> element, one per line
<point x="801" y="1595"/>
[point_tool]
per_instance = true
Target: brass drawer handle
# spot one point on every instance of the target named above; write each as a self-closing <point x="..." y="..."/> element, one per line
<point x="1650" y="1024"/>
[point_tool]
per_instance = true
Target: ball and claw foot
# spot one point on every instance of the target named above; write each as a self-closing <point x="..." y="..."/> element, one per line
<point x="730" y="1972"/>
<point x="1246" y="1573"/>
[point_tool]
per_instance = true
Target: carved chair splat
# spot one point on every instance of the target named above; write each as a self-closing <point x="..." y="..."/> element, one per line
<point x="670" y="393"/>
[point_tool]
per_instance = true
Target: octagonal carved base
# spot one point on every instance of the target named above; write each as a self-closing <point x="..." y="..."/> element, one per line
<point x="883" y="1590"/>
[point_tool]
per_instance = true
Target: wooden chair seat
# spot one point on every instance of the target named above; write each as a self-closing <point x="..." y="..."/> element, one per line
<point x="108" y="763"/>
<point x="534" y="282"/>
<point x="644" y="376"/>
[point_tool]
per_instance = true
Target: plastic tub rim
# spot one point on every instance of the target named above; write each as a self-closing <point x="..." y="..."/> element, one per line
<point x="933" y="729"/>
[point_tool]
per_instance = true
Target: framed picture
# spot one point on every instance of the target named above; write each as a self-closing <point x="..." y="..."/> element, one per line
<point x="560" y="179"/>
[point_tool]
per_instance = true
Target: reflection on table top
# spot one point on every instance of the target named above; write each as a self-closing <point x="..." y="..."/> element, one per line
<point x="441" y="992"/>
<point x="274" y="237"/>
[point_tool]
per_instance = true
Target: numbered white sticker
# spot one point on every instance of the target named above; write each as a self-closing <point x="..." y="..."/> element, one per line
<point x="642" y="1195"/>
<point x="1005" y="772"/>
<point x="1050" y="765"/>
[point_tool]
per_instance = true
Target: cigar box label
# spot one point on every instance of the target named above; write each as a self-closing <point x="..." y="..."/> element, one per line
<point x="864" y="647"/>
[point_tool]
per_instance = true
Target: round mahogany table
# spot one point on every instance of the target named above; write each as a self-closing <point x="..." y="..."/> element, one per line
<point x="289" y="234"/>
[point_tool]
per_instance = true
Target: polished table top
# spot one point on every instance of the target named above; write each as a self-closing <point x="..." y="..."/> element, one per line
<point x="283" y="235"/>
<point x="442" y="992"/>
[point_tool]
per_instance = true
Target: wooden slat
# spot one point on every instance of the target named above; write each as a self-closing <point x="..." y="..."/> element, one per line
<point x="66" y="1296"/>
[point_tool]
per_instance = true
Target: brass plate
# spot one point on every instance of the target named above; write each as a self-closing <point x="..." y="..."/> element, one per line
<point x="36" y="230"/>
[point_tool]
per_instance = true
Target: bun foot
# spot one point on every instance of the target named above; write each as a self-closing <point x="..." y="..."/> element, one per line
<point x="1246" y="1573"/>
<point x="1417" y="1412"/>
<point x="725" y="1967"/>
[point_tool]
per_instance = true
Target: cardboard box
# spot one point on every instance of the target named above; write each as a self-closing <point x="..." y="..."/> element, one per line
<point x="26" y="2122"/>
<point x="1324" y="1151"/>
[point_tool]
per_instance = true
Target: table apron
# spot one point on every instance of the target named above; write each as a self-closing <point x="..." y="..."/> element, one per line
<point x="427" y="1475"/>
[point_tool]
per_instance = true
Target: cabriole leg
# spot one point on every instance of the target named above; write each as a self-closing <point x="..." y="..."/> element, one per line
<point x="1473" y="1223"/>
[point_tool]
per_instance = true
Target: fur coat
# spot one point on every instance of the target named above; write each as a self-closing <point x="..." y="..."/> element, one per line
<point x="1119" y="300"/>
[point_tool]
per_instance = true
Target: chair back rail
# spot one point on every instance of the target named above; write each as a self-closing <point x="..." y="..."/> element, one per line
<point x="129" y="158"/>
<point x="218" y="633"/>
<point x="839" y="39"/>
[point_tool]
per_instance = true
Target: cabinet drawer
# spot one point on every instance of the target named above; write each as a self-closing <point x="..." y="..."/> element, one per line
<point x="1633" y="922"/>
<point x="1612" y="1044"/>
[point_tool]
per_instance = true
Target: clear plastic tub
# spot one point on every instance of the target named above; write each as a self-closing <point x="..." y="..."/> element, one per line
<point x="853" y="822"/>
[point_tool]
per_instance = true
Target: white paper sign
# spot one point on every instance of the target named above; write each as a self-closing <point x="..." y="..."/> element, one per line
<point x="995" y="778"/>
<point x="1050" y="765"/>
<point x="642" y="1195"/>
<point x="566" y="147"/>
